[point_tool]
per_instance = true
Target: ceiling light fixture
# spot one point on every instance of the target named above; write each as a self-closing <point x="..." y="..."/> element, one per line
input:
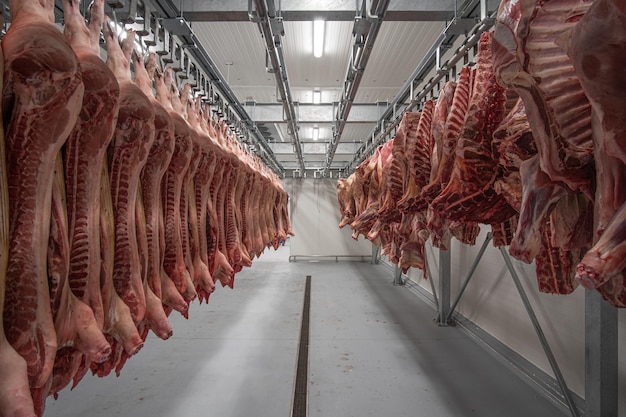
<point x="318" y="38"/>
<point x="317" y="97"/>
<point x="316" y="133"/>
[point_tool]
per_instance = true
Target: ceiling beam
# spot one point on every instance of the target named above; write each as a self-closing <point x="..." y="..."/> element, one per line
<point x="264" y="14"/>
<point x="305" y="10"/>
<point x="365" y="32"/>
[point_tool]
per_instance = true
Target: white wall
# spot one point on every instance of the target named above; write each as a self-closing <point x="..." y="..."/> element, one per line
<point x="315" y="218"/>
<point x="492" y="302"/>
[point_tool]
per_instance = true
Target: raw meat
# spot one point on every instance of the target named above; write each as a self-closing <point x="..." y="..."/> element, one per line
<point x="540" y="194"/>
<point x="439" y="128"/>
<point x="149" y="210"/>
<point x="172" y="187"/>
<point x="15" y="398"/>
<point x="418" y="166"/>
<point x="74" y="321"/>
<point x="469" y="195"/>
<point x="397" y="176"/>
<point x="528" y="60"/>
<point x="598" y="58"/>
<point x="41" y="98"/>
<point x="452" y="129"/>
<point x="84" y="153"/>
<point x="200" y="194"/>
<point x="132" y="140"/>
<point x="555" y="267"/>
<point x="169" y="294"/>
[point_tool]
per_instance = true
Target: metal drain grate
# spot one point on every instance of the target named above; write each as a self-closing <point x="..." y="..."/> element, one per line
<point x="300" y="393"/>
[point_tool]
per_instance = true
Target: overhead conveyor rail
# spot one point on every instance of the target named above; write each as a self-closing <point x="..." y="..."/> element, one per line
<point x="270" y="25"/>
<point x="471" y="19"/>
<point x="366" y="27"/>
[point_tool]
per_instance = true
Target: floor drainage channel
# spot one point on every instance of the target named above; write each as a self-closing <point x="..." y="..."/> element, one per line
<point x="300" y="393"/>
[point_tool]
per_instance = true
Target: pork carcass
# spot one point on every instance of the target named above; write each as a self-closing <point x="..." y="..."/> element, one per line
<point x="222" y="269"/>
<point x="186" y="195"/>
<point x="149" y="211"/>
<point x="41" y="99"/>
<point x="199" y="193"/>
<point x="132" y="140"/>
<point x="119" y="327"/>
<point x="218" y="264"/>
<point x="76" y="327"/>
<point x="15" y="397"/>
<point x="172" y="188"/>
<point x="84" y="153"/>
<point x="237" y="200"/>
<point x="202" y="279"/>
<point x="170" y="296"/>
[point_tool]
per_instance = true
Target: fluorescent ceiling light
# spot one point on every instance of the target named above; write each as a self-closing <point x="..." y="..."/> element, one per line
<point x="317" y="97"/>
<point x="316" y="133"/>
<point x="318" y="38"/>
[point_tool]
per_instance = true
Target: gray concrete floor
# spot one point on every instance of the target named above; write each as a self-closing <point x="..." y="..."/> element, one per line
<point x="374" y="351"/>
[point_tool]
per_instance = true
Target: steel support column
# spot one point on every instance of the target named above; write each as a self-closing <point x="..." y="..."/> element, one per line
<point x="375" y="252"/>
<point x="397" y="275"/>
<point x="601" y="357"/>
<point x="444" y="288"/>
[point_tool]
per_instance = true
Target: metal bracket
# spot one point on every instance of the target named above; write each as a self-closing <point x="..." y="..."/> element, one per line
<point x="470" y="273"/>
<point x="542" y="338"/>
<point x="444" y="289"/>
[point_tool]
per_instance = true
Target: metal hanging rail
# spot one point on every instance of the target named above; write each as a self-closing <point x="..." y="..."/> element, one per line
<point x="392" y="116"/>
<point x="366" y="27"/>
<point x="268" y="22"/>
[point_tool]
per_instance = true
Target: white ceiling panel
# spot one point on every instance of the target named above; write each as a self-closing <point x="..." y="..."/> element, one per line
<point x="357" y="132"/>
<point x="238" y="51"/>
<point x="399" y="48"/>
